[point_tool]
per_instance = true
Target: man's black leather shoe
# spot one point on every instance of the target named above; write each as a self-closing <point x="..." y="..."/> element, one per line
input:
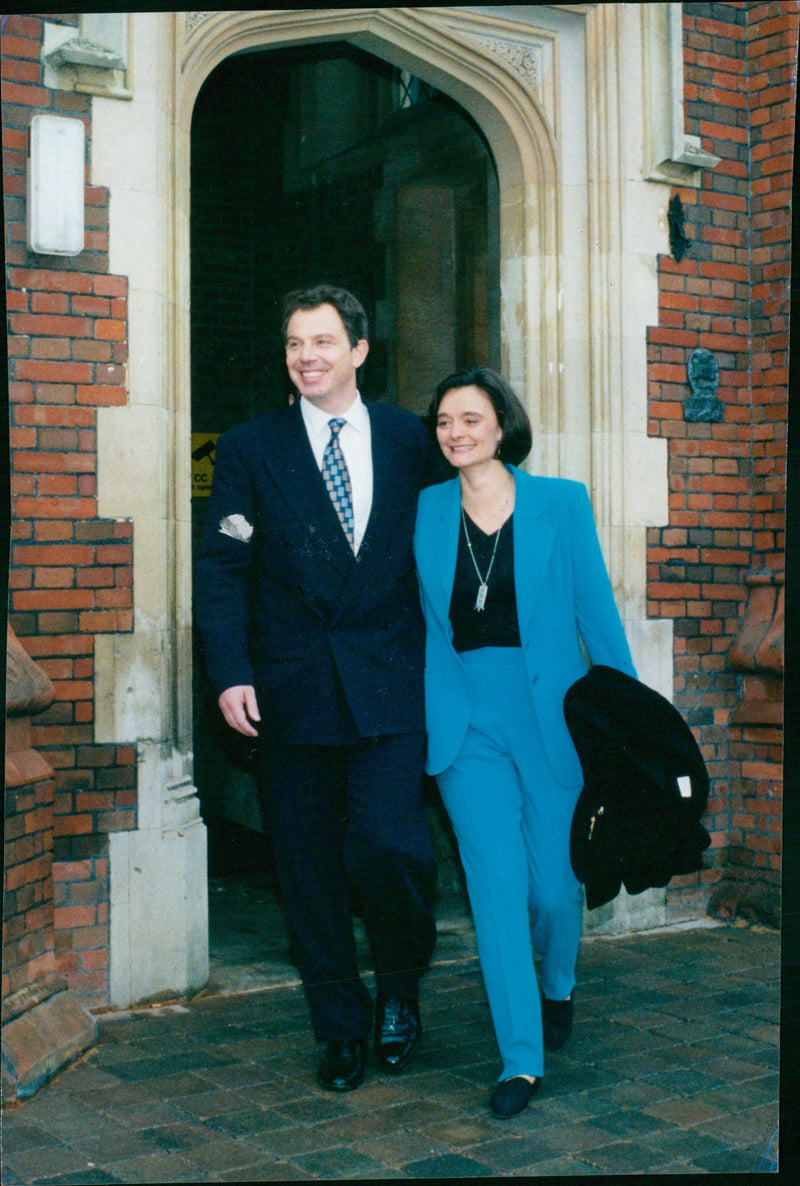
<point x="342" y="1068"/>
<point x="397" y="1031"/>
<point x="556" y="1022"/>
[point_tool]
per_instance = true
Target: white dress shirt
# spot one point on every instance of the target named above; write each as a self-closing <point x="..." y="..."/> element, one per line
<point x="356" y="440"/>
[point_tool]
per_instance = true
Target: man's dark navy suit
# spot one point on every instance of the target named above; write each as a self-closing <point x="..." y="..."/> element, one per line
<point x="334" y="645"/>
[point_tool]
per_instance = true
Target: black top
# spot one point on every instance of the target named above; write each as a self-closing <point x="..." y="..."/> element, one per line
<point x="496" y="625"/>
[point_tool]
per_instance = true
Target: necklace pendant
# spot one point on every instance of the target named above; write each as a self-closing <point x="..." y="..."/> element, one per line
<point x="480" y="600"/>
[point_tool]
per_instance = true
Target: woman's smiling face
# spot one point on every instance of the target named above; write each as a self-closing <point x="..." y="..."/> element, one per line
<point x="467" y="427"/>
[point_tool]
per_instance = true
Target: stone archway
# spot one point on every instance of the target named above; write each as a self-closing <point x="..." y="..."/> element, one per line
<point x="493" y="93"/>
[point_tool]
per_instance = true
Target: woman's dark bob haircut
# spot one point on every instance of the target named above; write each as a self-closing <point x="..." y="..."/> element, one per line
<point x="511" y="416"/>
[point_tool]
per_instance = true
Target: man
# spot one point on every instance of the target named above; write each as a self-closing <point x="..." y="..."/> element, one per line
<point x="308" y="606"/>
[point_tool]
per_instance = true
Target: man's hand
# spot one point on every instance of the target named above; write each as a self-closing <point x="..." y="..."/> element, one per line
<point x="239" y="708"/>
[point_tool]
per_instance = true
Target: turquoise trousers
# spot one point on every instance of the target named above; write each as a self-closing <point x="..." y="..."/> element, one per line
<point x="512" y="818"/>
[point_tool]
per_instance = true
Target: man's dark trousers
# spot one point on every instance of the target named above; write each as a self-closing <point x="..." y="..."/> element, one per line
<point x="352" y="818"/>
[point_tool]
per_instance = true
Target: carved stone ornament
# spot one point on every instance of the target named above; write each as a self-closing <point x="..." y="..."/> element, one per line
<point x="525" y="60"/>
<point x="703" y="373"/>
<point x="80" y="52"/>
<point x="192" y="19"/>
<point x="527" y="52"/>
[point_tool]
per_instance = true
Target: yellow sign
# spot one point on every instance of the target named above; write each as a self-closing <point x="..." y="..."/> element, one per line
<point x="204" y="450"/>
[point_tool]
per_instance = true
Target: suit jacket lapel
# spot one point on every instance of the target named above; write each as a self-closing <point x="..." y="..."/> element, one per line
<point x="382" y="444"/>
<point x="291" y="462"/>
<point x="534" y="539"/>
<point x="382" y="469"/>
<point x="437" y="546"/>
<point x="444" y="539"/>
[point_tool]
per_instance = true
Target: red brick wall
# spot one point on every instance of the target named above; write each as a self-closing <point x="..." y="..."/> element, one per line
<point x="27" y="884"/>
<point x="756" y="753"/>
<point x="726" y="479"/>
<point x="71" y="572"/>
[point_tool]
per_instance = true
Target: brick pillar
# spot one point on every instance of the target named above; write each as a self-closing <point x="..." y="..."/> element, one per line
<point x="44" y="1027"/>
<point x="751" y="885"/>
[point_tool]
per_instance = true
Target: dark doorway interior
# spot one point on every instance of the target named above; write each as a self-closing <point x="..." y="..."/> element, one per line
<point x="324" y="164"/>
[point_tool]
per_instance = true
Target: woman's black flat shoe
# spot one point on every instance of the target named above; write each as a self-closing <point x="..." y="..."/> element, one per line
<point x="512" y="1096"/>
<point x="556" y="1023"/>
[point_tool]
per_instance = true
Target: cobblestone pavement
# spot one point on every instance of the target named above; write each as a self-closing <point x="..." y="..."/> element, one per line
<point x="672" y="1068"/>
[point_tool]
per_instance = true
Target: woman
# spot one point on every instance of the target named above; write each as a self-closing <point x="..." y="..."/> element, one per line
<point x="512" y="579"/>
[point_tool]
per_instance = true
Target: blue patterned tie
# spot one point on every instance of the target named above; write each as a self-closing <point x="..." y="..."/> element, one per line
<point x="337" y="479"/>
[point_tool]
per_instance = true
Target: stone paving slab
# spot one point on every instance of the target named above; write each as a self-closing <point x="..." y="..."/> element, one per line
<point x="672" y="1068"/>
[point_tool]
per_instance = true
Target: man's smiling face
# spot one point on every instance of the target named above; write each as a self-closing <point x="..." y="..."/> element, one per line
<point x="320" y="359"/>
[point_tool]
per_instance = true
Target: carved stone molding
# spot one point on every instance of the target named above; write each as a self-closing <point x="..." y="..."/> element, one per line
<point x="524" y="59"/>
<point x="192" y="19"/>
<point x="80" y="52"/>
<point x="95" y="62"/>
<point x="181" y="808"/>
<point x="527" y="51"/>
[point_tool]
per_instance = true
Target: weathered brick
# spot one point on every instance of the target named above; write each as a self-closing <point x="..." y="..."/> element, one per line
<point x="101" y="394"/>
<point x="40" y="371"/>
<point x="56" y="508"/>
<point x="27" y="95"/>
<point x="20" y="47"/>
<point x="114" y="286"/>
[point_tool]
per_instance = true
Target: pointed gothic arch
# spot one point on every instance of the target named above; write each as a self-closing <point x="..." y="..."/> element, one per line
<point x="489" y="81"/>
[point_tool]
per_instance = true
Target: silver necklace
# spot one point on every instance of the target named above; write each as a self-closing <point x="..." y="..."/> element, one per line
<point x="483" y="589"/>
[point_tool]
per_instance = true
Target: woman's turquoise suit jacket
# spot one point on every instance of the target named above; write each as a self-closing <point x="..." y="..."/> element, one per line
<point x="562" y="589"/>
